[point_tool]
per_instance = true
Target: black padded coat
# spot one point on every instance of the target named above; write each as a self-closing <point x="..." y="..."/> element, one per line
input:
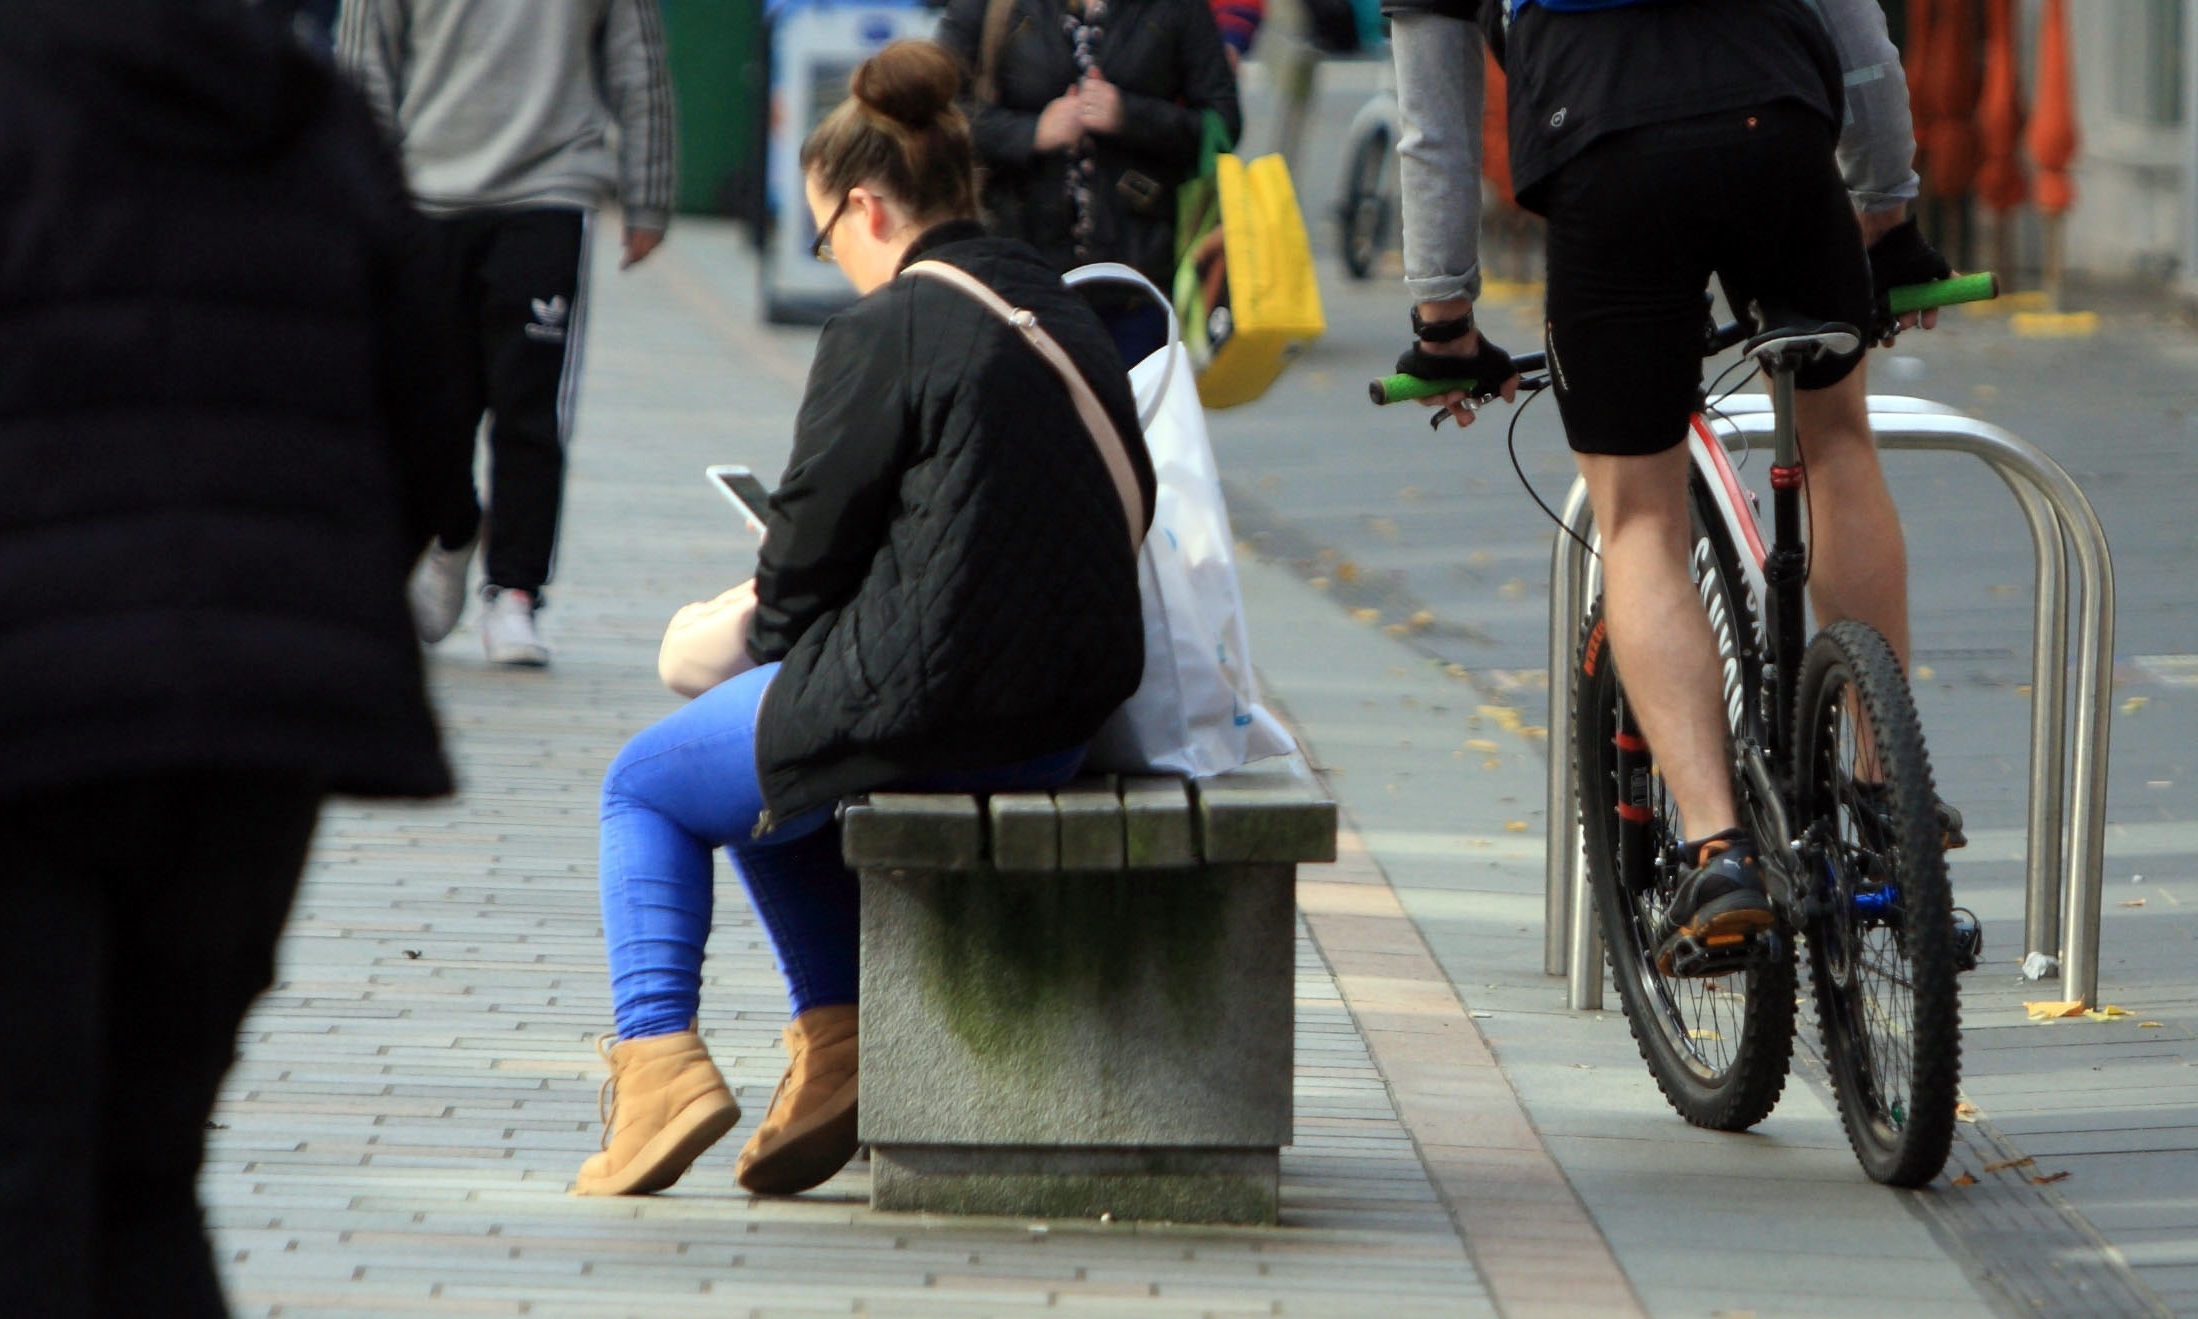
<point x="213" y="370"/>
<point x="947" y="573"/>
<point x="1165" y="56"/>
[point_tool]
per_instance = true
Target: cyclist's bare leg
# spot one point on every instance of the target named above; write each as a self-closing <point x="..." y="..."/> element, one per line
<point x="1858" y="561"/>
<point x="1658" y="630"/>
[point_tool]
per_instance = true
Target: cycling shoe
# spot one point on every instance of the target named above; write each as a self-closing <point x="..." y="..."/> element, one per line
<point x="1718" y="906"/>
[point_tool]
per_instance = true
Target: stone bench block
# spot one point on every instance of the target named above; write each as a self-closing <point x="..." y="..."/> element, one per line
<point x="1096" y="1014"/>
<point x="1174" y="1185"/>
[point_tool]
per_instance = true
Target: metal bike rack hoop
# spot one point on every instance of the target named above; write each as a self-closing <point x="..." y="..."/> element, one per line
<point x="2068" y="778"/>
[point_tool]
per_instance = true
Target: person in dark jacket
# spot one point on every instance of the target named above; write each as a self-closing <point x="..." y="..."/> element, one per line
<point x="208" y="309"/>
<point x="946" y="600"/>
<point x="1088" y="115"/>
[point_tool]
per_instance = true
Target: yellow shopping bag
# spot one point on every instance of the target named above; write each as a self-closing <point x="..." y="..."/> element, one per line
<point x="1244" y="284"/>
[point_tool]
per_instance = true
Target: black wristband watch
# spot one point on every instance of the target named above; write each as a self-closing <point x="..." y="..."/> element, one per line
<point x="1457" y="327"/>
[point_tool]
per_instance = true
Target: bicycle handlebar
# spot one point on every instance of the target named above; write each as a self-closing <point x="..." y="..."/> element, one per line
<point x="1904" y="299"/>
<point x="1981" y="287"/>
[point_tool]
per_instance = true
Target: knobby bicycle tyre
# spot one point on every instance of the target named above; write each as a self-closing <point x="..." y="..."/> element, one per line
<point x="1719" y="1047"/>
<point x="1881" y="958"/>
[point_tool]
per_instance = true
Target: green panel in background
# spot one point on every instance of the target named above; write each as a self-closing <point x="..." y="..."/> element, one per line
<point x="717" y="58"/>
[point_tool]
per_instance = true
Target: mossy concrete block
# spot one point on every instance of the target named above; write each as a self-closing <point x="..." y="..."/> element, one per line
<point x="1156" y="824"/>
<point x="1025" y="833"/>
<point x="1170" y="1185"/>
<point x="909" y="830"/>
<point x="1090" y="816"/>
<point x="1252" y="816"/>
<point x="1148" y="1008"/>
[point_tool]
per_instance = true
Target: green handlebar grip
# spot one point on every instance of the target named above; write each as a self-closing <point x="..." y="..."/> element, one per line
<point x="1981" y="287"/>
<point x="1402" y="388"/>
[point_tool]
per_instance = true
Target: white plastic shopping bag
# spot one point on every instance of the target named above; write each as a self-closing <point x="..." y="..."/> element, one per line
<point x="1197" y="711"/>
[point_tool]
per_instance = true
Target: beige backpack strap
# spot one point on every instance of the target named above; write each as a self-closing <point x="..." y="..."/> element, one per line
<point x="1104" y="436"/>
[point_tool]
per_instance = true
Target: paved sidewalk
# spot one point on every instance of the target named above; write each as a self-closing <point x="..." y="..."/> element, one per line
<point x="418" y="1089"/>
<point x="415" y="1094"/>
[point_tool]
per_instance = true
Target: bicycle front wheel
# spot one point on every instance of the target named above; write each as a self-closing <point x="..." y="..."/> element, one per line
<point x="1880" y="946"/>
<point x="1365" y="210"/>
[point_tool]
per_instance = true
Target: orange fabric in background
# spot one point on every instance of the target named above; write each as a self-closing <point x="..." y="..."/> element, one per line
<point x="2000" y="179"/>
<point x="2052" y="136"/>
<point x="1496" y="132"/>
<point x="1949" y="70"/>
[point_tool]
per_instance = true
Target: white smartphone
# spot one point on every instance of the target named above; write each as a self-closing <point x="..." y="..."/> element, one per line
<point x="743" y="490"/>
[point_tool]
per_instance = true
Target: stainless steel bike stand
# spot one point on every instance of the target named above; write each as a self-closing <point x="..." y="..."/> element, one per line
<point x="2068" y="775"/>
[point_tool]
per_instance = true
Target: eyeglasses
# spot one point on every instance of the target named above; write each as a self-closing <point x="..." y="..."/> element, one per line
<point x="821" y="249"/>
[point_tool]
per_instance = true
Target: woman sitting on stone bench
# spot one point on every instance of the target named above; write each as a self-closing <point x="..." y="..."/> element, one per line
<point x="946" y="600"/>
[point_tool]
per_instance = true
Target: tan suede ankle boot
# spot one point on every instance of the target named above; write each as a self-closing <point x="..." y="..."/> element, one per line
<point x="667" y="1104"/>
<point x="809" y="1133"/>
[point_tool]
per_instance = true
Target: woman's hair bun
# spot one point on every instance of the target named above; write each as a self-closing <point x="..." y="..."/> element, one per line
<point x="912" y="82"/>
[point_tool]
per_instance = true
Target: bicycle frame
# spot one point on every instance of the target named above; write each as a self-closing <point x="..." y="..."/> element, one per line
<point x="1776" y="577"/>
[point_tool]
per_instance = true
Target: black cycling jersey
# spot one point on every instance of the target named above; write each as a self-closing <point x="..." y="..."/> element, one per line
<point x="1576" y="78"/>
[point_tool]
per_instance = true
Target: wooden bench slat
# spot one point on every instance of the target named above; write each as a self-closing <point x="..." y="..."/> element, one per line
<point x="1156" y="824"/>
<point x="1090" y="816"/>
<point x="1026" y="833"/>
<point x="911" y="830"/>
<point x="1272" y="812"/>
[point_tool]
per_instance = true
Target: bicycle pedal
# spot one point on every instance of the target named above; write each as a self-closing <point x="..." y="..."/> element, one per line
<point x="1968" y="941"/>
<point x="1719" y="954"/>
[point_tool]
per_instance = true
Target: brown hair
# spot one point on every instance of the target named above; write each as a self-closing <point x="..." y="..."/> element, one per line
<point x="900" y="132"/>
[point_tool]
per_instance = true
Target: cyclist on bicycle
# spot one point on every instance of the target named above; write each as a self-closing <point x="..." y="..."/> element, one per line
<point x="1664" y="141"/>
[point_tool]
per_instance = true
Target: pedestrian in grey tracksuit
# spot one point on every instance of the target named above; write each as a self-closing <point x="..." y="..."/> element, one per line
<point x="517" y="119"/>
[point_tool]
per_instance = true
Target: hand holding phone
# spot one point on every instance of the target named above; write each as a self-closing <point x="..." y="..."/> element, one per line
<point x="739" y="485"/>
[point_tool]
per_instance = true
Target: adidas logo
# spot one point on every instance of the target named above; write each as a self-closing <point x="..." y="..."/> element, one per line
<point x="550" y="315"/>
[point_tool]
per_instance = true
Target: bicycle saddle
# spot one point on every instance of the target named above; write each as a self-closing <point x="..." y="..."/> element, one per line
<point x="1784" y="334"/>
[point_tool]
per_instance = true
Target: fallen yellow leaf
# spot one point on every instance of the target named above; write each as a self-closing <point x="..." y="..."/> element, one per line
<point x="2003" y="1165"/>
<point x="1514" y="826"/>
<point x="1965" y="1111"/>
<point x="1366" y="615"/>
<point x="2051" y="1178"/>
<point x="2148" y="1025"/>
<point x="2107" y="1013"/>
<point x="1965" y="1180"/>
<point x="1396" y="629"/>
<point x="1482" y="744"/>
<point x="2135" y="703"/>
<point x="1506" y="718"/>
<point x="2048" y="1009"/>
<point x="1924" y="673"/>
<point x="1424" y="618"/>
<point x="1347" y="571"/>
<point x="2134" y="902"/>
<point x="1533" y="732"/>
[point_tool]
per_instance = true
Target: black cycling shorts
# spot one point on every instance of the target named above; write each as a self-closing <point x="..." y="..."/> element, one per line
<point x="1639" y="222"/>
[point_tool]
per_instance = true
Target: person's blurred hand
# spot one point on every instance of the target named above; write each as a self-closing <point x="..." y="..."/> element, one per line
<point x="1061" y="123"/>
<point x="639" y="243"/>
<point x="1101" y="111"/>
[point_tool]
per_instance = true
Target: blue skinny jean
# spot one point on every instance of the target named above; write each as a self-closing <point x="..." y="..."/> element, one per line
<point x="688" y="784"/>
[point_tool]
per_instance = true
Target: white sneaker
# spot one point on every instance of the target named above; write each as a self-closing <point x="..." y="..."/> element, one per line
<point x="507" y="629"/>
<point x="437" y="591"/>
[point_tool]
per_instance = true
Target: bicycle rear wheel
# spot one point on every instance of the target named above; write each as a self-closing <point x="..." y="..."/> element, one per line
<point x="1880" y="948"/>
<point x="1718" y="1046"/>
